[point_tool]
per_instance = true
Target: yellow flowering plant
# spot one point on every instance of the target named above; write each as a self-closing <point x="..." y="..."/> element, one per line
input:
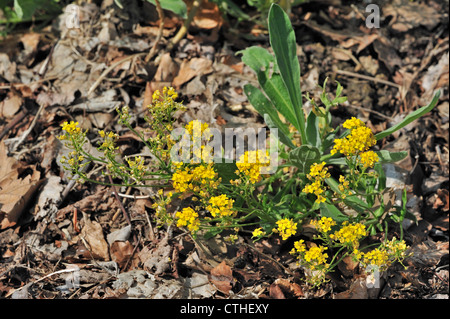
<point x="331" y="178"/>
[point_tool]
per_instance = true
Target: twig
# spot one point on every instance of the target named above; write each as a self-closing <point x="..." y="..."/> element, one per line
<point x="19" y="117"/>
<point x="110" y="68"/>
<point x="371" y="111"/>
<point x="40" y="279"/>
<point x="134" y="196"/>
<point x="160" y="32"/>
<point x="366" y="77"/>
<point x="28" y="131"/>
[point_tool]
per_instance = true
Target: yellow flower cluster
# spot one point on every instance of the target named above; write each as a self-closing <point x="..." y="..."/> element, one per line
<point x="314" y="257"/>
<point x="159" y="205"/>
<point x="286" y="228"/>
<point x="344" y="186"/>
<point x="137" y="167"/>
<point x="199" y="179"/>
<point x="71" y="128"/>
<point x="359" y="140"/>
<point x="377" y="257"/>
<point x="251" y="163"/>
<point x="167" y="94"/>
<point x="74" y="160"/>
<point x="188" y="217"/>
<point x="350" y="234"/>
<point x="353" y="123"/>
<point x="368" y="159"/>
<point x="221" y="206"/>
<point x="384" y="255"/>
<point x="109" y="141"/>
<point x="324" y="224"/>
<point x="318" y="172"/>
<point x="193" y="142"/>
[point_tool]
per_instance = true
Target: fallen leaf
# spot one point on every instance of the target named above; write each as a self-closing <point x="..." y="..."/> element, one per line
<point x="348" y="265"/>
<point x="49" y="198"/>
<point x="191" y="68"/>
<point x="15" y="191"/>
<point x="275" y="292"/>
<point x="10" y="105"/>
<point x="291" y="288"/>
<point x="222" y="277"/>
<point x="121" y="252"/>
<point x="441" y="223"/>
<point x="92" y="232"/>
<point x="442" y="200"/>
<point x="358" y="290"/>
<point x="157" y="259"/>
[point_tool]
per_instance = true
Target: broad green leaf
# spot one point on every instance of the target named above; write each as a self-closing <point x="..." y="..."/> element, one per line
<point x="265" y="107"/>
<point x="176" y="6"/>
<point x="26" y="8"/>
<point x="312" y="130"/>
<point x="328" y="210"/>
<point x="410" y="117"/>
<point x="304" y="156"/>
<point x="389" y="157"/>
<point x="282" y="40"/>
<point x="285" y="139"/>
<point x="353" y="201"/>
<point x="264" y="65"/>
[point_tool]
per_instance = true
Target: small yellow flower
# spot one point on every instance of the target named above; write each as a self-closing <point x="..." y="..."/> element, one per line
<point x="71" y="128"/>
<point x="324" y="224"/>
<point x="353" y="123"/>
<point x="350" y="234"/>
<point x="286" y="228"/>
<point x="258" y="232"/>
<point x="251" y="164"/>
<point x="221" y="206"/>
<point x="368" y="159"/>
<point x="188" y="217"/>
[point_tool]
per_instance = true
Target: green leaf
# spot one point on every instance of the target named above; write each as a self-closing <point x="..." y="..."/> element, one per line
<point x="176" y="6"/>
<point x="389" y="157"/>
<point x="268" y="112"/>
<point x="26" y="8"/>
<point x="410" y="117"/>
<point x="304" y="156"/>
<point x="285" y="139"/>
<point x="353" y="201"/>
<point x="381" y="176"/>
<point x="328" y="210"/>
<point x="312" y="130"/>
<point x="282" y="40"/>
<point x="265" y="67"/>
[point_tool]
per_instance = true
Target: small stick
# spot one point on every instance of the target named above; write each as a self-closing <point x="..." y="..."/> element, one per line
<point x="28" y="131"/>
<point x="114" y="65"/>
<point x="19" y="117"/>
<point x="369" y="78"/>
<point x="160" y="32"/>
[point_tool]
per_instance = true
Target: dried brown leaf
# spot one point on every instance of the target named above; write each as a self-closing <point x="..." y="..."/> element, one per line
<point x="222" y="277"/>
<point x="191" y="68"/>
<point x="92" y="232"/>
